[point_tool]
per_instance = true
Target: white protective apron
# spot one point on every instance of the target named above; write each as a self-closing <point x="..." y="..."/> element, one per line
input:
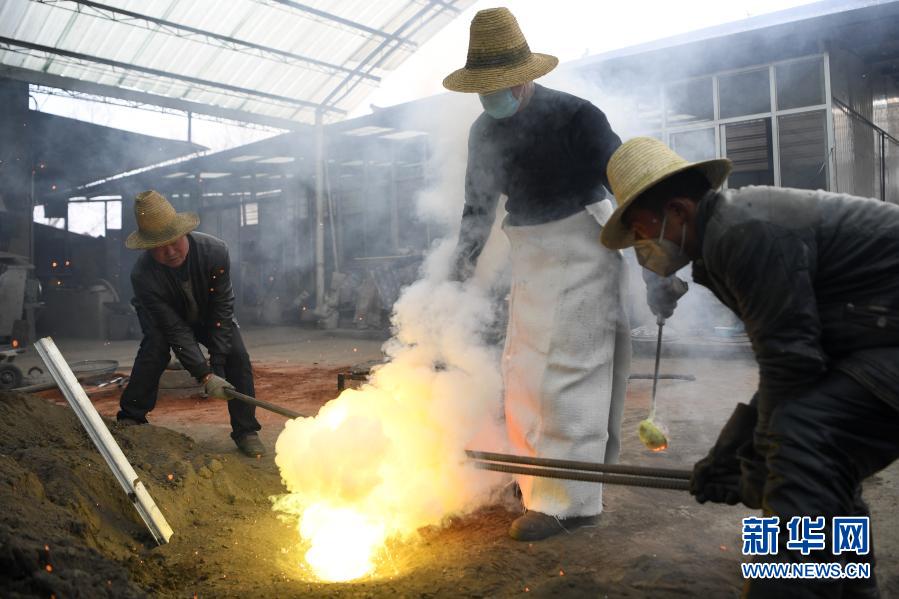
<point x="567" y="355"/>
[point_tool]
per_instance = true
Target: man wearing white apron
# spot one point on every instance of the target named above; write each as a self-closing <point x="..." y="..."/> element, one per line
<point x="567" y="353"/>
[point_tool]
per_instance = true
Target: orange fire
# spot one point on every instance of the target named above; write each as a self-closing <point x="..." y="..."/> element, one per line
<point x="380" y="462"/>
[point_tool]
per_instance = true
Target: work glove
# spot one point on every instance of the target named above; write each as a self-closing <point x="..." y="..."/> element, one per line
<point x="216" y="385"/>
<point x="717" y="477"/>
<point x="662" y="293"/>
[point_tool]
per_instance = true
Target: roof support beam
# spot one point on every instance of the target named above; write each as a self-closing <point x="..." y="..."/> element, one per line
<point x="110" y="91"/>
<point x="421" y="17"/>
<point x="225" y="40"/>
<point x="347" y="22"/>
<point x="169" y="75"/>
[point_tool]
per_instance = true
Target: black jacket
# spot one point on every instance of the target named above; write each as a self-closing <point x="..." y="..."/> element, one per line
<point x="814" y="276"/>
<point x="550" y="160"/>
<point x="158" y="292"/>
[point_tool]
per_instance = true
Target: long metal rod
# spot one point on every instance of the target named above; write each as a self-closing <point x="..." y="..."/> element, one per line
<point x="319" y="211"/>
<point x="227" y="39"/>
<point x="263" y="404"/>
<point x="655" y="372"/>
<point x="343" y="21"/>
<point x="104" y="441"/>
<point x="167" y="74"/>
<point x="576" y="465"/>
<point x="127" y="95"/>
<point x="661" y="377"/>
<point x="367" y="62"/>
<point x="592" y="477"/>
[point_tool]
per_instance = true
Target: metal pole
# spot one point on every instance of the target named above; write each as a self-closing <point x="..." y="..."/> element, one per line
<point x="576" y="465"/>
<point x="883" y="166"/>
<point x="591" y="477"/>
<point x="104" y="441"/>
<point x="655" y="373"/>
<point x="319" y="210"/>
<point x="263" y="404"/>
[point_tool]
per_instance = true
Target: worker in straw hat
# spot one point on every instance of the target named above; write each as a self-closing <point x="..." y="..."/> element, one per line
<point x="812" y="275"/>
<point x="183" y="297"/>
<point x="567" y="353"/>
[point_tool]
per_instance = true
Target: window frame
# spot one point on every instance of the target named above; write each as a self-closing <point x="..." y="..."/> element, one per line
<point x="717" y="122"/>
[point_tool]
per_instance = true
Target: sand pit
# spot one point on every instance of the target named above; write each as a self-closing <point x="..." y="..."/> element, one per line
<point x="62" y="508"/>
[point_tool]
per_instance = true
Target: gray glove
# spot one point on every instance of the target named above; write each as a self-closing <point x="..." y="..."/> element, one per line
<point x="216" y="385"/>
<point x="662" y="293"/>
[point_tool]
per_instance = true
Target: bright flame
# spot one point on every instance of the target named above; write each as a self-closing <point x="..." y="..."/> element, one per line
<point x="343" y="542"/>
<point x="382" y="461"/>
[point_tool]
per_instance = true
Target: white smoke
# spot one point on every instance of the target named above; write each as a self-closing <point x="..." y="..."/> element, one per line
<point x="387" y="459"/>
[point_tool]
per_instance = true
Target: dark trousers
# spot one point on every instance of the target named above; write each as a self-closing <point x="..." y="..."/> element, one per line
<point x="819" y="447"/>
<point x="139" y="396"/>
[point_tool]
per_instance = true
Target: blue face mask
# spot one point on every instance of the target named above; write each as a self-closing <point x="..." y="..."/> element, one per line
<point x="500" y="104"/>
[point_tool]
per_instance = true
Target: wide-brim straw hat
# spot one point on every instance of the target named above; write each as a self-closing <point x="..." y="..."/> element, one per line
<point x="157" y="222"/>
<point x="636" y="166"/>
<point x="498" y="56"/>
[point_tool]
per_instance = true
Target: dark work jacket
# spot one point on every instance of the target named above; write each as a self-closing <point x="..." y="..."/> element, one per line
<point x="549" y="159"/>
<point x="814" y="276"/>
<point x="157" y="291"/>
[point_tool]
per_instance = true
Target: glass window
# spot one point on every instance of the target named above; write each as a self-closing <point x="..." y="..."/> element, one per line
<point x="744" y="93"/>
<point x="800" y="83"/>
<point x="698" y="144"/>
<point x="87" y="218"/>
<point x="803" y="150"/>
<point x="648" y="109"/>
<point x="58" y="223"/>
<point x="113" y="215"/>
<point x="250" y="214"/>
<point x="689" y="102"/>
<point x="748" y="145"/>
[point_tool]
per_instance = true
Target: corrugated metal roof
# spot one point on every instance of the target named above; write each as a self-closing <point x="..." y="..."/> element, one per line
<point x="281" y="59"/>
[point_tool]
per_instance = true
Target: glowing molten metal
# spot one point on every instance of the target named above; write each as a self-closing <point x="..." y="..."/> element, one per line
<point x="380" y="462"/>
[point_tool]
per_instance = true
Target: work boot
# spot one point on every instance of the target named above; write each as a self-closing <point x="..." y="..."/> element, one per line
<point x="250" y="445"/>
<point x="123" y="422"/>
<point x="535" y="526"/>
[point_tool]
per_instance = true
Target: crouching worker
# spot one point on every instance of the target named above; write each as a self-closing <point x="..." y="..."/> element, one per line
<point x="183" y="297"/>
<point x="812" y="275"/>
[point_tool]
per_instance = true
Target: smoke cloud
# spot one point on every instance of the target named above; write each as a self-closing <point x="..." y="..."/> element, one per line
<point x="383" y="461"/>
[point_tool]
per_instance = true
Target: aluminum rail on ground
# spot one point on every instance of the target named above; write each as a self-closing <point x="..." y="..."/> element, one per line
<point x="103" y="439"/>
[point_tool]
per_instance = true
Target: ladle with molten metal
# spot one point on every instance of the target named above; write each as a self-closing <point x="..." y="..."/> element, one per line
<point x="653" y="434"/>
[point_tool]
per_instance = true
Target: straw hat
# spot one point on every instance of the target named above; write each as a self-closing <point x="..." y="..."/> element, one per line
<point x="157" y="222"/>
<point x="498" y="56"/>
<point x="639" y="164"/>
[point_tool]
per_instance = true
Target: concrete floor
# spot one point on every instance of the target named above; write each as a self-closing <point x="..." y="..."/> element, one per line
<point x="265" y="344"/>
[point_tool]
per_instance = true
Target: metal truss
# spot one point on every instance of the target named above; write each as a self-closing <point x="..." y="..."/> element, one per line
<point x="387" y="47"/>
<point x="326" y="16"/>
<point x="234" y="89"/>
<point x="149" y="23"/>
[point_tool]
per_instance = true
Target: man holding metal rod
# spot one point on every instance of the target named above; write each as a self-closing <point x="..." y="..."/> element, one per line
<point x="812" y="275"/>
<point x="183" y="297"/>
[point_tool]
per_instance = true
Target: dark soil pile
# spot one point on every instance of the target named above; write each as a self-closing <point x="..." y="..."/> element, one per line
<point x="66" y="527"/>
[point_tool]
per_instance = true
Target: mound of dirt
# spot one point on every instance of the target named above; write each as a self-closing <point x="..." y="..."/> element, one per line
<point x="66" y="527"/>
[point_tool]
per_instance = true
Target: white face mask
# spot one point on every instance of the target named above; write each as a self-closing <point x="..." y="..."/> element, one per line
<point x="663" y="257"/>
